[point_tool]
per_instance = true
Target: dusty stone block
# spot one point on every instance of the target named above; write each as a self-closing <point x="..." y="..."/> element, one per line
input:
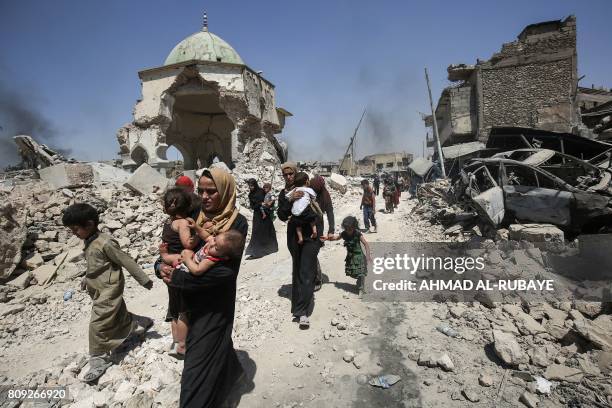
<point x="22" y="281"/>
<point x="146" y="180"/>
<point x="508" y="349"/>
<point x="536" y="233"/>
<point x="67" y="175"/>
<point x="338" y="182"/>
<point x="42" y="273"/>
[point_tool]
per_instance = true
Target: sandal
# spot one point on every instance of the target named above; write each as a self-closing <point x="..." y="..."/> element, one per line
<point x="97" y="367"/>
<point x="174" y="352"/>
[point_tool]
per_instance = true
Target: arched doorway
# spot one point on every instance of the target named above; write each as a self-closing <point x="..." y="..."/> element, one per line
<point x="200" y="128"/>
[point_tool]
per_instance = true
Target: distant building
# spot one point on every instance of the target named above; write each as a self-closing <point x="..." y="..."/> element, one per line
<point x="531" y="82"/>
<point x="396" y="162"/>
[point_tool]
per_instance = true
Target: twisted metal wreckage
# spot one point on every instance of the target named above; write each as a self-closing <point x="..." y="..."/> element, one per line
<point x="531" y="176"/>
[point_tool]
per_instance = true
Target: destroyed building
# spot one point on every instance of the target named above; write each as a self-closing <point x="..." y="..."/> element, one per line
<point x="531" y="82"/>
<point x="207" y="103"/>
<point x="395" y="163"/>
<point x="596" y="111"/>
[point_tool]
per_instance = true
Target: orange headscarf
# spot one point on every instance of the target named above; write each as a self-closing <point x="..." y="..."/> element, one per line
<point x="227" y="212"/>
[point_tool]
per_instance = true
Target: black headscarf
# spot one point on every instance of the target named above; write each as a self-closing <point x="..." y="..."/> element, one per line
<point x="256" y="195"/>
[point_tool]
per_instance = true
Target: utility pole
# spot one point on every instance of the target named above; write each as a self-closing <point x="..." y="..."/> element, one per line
<point x="351" y="148"/>
<point x="435" y="126"/>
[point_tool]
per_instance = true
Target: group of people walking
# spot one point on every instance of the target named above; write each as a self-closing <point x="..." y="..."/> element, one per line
<point x="203" y="241"/>
<point x="392" y="190"/>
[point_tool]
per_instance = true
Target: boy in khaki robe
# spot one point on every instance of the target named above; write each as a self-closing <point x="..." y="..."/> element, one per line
<point x="110" y="322"/>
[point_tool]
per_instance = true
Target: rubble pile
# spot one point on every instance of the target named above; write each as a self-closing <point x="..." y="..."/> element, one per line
<point x="542" y="346"/>
<point x="436" y="204"/>
<point x="145" y="376"/>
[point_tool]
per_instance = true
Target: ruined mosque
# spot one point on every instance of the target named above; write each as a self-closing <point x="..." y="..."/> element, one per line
<point x="207" y="103"/>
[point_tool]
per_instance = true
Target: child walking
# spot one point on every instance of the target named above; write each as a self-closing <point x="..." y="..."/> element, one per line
<point x="355" y="263"/>
<point x="110" y="322"/>
<point x="302" y="212"/>
<point x="176" y="236"/>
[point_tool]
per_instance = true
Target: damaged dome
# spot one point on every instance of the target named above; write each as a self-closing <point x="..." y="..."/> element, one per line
<point x="203" y="46"/>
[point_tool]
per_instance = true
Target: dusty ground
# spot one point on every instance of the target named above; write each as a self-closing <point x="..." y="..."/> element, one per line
<point x="289" y="367"/>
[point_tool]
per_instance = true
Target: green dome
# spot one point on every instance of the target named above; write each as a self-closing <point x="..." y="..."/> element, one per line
<point x="203" y="46"/>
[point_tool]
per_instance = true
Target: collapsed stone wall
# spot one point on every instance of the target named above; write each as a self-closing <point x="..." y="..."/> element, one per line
<point x="523" y="95"/>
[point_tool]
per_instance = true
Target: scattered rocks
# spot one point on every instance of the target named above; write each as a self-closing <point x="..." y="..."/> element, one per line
<point x="598" y="331"/>
<point x="435" y="359"/>
<point x="507" y="348"/>
<point x="560" y="372"/>
<point x="470" y="394"/>
<point x="529" y="400"/>
<point x="7" y="310"/>
<point x="485" y="380"/>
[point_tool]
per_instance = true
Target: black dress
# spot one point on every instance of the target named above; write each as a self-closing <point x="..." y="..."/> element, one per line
<point x="211" y="364"/>
<point x="263" y="236"/>
<point x="304" y="257"/>
<point x="175" y="298"/>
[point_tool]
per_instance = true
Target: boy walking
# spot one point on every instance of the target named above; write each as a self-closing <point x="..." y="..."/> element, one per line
<point x="110" y="322"/>
<point x="368" y="205"/>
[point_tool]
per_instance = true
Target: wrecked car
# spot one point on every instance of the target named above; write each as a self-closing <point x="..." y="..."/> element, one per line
<point x="538" y="185"/>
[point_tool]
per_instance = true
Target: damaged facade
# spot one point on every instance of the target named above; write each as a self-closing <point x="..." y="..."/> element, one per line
<point x="530" y="82"/>
<point x="207" y="103"/>
<point x="596" y="111"/>
<point x="392" y="163"/>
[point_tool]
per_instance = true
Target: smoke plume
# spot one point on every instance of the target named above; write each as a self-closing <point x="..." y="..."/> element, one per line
<point x="19" y="114"/>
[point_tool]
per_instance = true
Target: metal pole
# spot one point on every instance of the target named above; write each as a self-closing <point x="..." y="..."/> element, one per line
<point x="435" y="126"/>
<point x="350" y="146"/>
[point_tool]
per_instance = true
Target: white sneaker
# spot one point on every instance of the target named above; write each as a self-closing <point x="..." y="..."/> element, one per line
<point x="304" y="322"/>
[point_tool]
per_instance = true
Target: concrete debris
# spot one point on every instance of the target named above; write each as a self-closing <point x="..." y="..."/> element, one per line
<point x="485" y="380"/>
<point x="536" y="233"/>
<point x="68" y="175"/>
<point x="146" y="180"/>
<point x="507" y="348"/>
<point x="470" y="394"/>
<point x="597" y="331"/>
<point x="436" y="359"/>
<point x="338" y="182"/>
<point x="35" y="155"/>
<point x="12" y="236"/>
<point x="563" y="373"/>
<point x="529" y="400"/>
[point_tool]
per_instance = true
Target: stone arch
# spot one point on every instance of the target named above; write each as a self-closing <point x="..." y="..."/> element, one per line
<point x="200" y="125"/>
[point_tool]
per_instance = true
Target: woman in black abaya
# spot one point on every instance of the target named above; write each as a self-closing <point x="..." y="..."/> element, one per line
<point x="263" y="237"/>
<point x="211" y="364"/>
